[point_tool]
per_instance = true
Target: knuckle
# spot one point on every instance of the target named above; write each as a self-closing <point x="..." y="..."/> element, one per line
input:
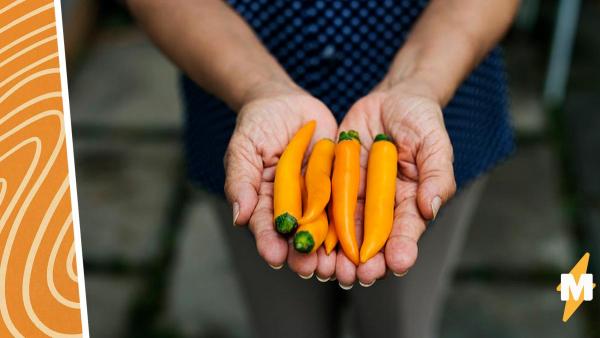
<point x="453" y="187"/>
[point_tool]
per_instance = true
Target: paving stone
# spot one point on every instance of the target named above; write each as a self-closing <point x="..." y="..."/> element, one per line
<point x="514" y="310"/>
<point x="527" y="113"/>
<point x="123" y="191"/>
<point x="126" y="83"/>
<point x="109" y="300"/>
<point x="519" y="223"/>
<point x="204" y="297"/>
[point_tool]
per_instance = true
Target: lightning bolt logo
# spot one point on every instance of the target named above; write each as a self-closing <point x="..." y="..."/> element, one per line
<point x="572" y="304"/>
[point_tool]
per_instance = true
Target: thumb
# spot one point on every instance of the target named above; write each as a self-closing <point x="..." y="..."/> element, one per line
<point x="436" y="174"/>
<point x="243" y="168"/>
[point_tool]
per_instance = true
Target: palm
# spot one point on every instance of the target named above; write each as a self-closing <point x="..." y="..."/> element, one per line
<point x="268" y="125"/>
<point x="416" y="127"/>
<point x="263" y="130"/>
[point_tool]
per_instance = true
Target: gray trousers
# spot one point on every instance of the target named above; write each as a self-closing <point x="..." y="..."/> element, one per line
<point x="282" y="305"/>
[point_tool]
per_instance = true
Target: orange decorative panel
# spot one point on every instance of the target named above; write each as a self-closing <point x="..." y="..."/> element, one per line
<point x="39" y="258"/>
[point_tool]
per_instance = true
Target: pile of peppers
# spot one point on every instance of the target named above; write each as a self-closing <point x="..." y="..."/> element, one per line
<point x="319" y="208"/>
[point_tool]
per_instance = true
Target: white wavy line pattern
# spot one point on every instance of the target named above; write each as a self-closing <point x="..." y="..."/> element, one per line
<point x="38" y="296"/>
<point x="3" y="187"/>
<point x="52" y="262"/>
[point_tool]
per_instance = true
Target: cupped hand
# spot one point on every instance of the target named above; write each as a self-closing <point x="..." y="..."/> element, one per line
<point x="413" y="118"/>
<point x="266" y="123"/>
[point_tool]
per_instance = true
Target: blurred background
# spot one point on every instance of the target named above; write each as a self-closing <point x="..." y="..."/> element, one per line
<point x="155" y="264"/>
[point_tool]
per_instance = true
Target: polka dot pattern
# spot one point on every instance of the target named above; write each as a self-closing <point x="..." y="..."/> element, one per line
<point x="338" y="51"/>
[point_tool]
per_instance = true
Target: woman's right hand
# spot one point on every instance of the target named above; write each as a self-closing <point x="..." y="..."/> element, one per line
<point x="269" y="118"/>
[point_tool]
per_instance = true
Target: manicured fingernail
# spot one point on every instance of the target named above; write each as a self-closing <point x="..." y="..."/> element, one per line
<point x="306" y="277"/>
<point x="323" y="280"/>
<point x="276" y="267"/>
<point x="346" y="287"/>
<point x="333" y="279"/>
<point x="236" y="212"/>
<point x="436" y="203"/>
<point x="401" y="274"/>
<point x="366" y="285"/>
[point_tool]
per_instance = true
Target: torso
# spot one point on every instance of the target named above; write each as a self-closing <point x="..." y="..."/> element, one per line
<point x="338" y="51"/>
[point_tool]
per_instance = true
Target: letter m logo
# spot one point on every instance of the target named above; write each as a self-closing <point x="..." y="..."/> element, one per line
<point x="571" y="289"/>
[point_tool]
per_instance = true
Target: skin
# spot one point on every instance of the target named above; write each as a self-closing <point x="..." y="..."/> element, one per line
<point x="263" y="130"/>
<point x="407" y="105"/>
<point x="220" y="52"/>
<point x="212" y="44"/>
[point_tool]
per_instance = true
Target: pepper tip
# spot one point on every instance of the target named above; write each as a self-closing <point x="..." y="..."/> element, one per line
<point x="382" y="137"/>
<point x="349" y="135"/>
<point x="303" y="242"/>
<point x="285" y="223"/>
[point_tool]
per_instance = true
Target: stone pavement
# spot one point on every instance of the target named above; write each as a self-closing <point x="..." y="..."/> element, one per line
<point x="125" y="186"/>
<point x="155" y="263"/>
<point x="126" y="84"/>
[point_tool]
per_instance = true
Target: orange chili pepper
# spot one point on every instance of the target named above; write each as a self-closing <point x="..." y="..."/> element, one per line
<point x="287" y="196"/>
<point x="331" y="239"/>
<point x="310" y="236"/>
<point x="302" y="191"/>
<point x="382" y="170"/>
<point x="318" y="180"/>
<point x="344" y="183"/>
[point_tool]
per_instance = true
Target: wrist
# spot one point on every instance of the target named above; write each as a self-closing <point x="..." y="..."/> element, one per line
<point x="409" y="72"/>
<point x="265" y="87"/>
<point x="417" y="84"/>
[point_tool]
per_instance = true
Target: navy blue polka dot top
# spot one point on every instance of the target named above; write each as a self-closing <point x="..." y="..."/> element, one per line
<point x="338" y="51"/>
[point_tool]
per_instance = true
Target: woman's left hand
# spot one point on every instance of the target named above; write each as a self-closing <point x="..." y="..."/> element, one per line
<point x="411" y="115"/>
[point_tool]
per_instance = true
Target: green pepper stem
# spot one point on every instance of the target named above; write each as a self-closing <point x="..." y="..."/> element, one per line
<point x="349" y="135"/>
<point x="382" y="137"/>
<point x="303" y="242"/>
<point x="285" y="223"/>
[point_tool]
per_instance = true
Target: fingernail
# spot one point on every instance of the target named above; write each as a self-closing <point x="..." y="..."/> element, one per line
<point x="436" y="203"/>
<point x="236" y="212"/>
<point x="333" y="279"/>
<point x="323" y="280"/>
<point x="306" y="277"/>
<point x="346" y="287"/>
<point x="401" y="274"/>
<point x="366" y="285"/>
<point x="276" y="267"/>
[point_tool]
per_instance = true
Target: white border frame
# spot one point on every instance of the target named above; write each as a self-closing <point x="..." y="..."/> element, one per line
<point x="71" y="167"/>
